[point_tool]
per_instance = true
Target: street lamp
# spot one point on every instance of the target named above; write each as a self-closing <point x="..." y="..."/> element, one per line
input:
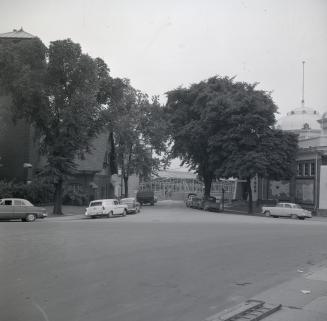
<point x="223" y="198"/>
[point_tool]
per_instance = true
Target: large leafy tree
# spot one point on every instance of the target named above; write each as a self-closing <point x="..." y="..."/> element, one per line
<point x="193" y="113"/>
<point x="131" y="118"/>
<point x="60" y="91"/>
<point x="223" y="129"/>
<point x="245" y="143"/>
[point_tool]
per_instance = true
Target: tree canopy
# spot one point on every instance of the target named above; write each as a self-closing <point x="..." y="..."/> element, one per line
<point x="223" y="129"/>
<point x="131" y="117"/>
<point x="60" y="91"/>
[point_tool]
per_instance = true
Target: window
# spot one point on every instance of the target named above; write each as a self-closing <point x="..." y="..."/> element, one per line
<point x="96" y="204"/>
<point x="288" y="205"/>
<point x="312" y="169"/>
<point x="75" y="187"/>
<point x="18" y="203"/>
<point x="8" y="202"/>
<point x="306" y="169"/>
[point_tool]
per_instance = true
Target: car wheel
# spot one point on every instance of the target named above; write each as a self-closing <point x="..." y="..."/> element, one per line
<point x="301" y="218"/>
<point x="124" y="213"/>
<point x="23" y="220"/>
<point x="294" y="216"/>
<point x="30" y="218"/>
<point x="267" y="213"/>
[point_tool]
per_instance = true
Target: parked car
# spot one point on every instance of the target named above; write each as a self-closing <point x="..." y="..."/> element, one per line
<point x="132" y="205"/>
<point x="18" y="208"/>
<point x="286" y="210"/>
<point x="195" y="202"/>
<point x="146" y="197"/>
<point x="188" y="199"/>
<point x="210" y="203"/>
<point x="105" y="208"/>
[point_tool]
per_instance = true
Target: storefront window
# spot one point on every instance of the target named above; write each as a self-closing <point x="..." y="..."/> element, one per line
<point x="312" y="169"/>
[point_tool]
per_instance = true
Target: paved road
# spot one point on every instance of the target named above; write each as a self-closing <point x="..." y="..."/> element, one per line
<point x="167" y="263"/>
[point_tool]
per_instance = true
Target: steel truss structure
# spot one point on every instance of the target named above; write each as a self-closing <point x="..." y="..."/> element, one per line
<point x="168" y="188"/>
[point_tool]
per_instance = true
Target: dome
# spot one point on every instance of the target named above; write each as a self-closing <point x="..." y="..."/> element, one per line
<point x="302" y="118"/>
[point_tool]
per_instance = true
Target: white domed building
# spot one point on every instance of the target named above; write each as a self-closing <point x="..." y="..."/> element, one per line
<point x="309" y="186"/>
<point x="303" y="121"/>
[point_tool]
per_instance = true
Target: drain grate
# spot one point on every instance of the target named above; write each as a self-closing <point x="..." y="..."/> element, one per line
<point x="251" y="310"/>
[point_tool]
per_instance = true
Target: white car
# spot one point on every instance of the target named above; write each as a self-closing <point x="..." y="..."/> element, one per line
<point x="105" y="208"/>
<point x="286" y="210"/>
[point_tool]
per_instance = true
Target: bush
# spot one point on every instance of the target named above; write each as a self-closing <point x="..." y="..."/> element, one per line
<point x="75" y="198"/>
<point x="36" y="192"/>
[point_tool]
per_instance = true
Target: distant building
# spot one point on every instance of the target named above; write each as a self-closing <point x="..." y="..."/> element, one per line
<point x="16" y="35"/>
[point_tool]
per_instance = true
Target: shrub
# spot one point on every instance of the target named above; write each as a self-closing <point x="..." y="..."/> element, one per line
<point x="36" y="192"/>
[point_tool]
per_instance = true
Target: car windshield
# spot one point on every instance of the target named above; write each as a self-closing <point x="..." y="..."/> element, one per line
<point x="297" y="206"/>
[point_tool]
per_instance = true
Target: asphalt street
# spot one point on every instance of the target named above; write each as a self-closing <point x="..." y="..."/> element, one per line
<point x="167" y="263"/>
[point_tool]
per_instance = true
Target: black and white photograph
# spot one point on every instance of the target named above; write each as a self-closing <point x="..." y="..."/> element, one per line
<point x="163" y="160"/>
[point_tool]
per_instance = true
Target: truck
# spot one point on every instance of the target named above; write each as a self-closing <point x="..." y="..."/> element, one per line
<point x="145" y="197"/>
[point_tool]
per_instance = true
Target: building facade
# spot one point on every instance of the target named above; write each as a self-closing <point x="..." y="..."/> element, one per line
<point x="309" y="186"/>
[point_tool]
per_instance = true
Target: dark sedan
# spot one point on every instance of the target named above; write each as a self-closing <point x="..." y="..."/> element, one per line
<point x="132" y="205"/>
<point x="210" y="203"/>
<point x="17" y="208"/>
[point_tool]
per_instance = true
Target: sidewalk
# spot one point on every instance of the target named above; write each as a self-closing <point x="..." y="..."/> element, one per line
<point x="303" y="298"/>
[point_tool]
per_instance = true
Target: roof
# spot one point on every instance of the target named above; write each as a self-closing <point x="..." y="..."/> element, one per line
<point x="176" y="174"/>
<point x="300" y="118"/>
<point x="17" y="34"/>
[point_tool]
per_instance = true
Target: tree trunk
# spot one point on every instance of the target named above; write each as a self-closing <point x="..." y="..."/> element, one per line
<point x="126" y="185"/>
<point x="57" y="206"/>
<point x="207" y="185"/>
<point x="249" y="189"/>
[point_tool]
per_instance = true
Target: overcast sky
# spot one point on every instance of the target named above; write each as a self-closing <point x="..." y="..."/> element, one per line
<point x="161" y="45"/>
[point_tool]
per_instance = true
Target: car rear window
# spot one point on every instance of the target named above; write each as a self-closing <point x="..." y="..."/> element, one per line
<point x="96" y="204"/>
